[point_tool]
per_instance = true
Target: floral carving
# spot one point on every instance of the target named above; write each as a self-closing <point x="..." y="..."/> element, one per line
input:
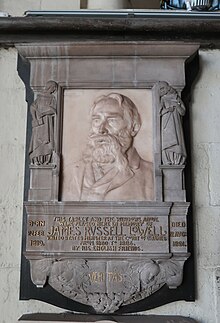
<point x="109" y="284"/>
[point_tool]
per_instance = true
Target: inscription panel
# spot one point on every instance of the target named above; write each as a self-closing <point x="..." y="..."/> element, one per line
<point x="36" y="233"/>
<point x="178" y="234"/>
<point x="95" y="234"/>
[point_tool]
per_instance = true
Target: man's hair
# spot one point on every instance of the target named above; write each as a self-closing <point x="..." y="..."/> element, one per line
<point x="131" y="114"/>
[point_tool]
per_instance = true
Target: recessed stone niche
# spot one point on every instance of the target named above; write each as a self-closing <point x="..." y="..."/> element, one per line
<point x="107" y="227"/>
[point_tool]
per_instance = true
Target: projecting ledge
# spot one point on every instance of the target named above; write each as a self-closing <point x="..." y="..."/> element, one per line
<point x="77" y="318"/>
<point x="148" y="27"/>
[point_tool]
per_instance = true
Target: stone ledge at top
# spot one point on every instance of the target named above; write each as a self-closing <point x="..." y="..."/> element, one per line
<point x="14" y="30"/>
<point x="81" y="318"/>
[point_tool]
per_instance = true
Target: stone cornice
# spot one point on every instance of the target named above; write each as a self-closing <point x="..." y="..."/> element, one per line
<point x="203" y="29"/>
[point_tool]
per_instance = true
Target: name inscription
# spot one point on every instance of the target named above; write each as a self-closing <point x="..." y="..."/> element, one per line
<point x="98" y="233"/>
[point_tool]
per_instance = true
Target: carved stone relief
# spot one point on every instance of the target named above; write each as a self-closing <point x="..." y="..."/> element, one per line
<point x="111" y="168"/>
<point x="43" y="111"/>
<point x="110" y="162"/>
<point x="110" y="229"/>
<point x="172" y="139"/>
<point x="108" y="285"/>
<point x="45" y="161"/>
<point x="172" y="153"/>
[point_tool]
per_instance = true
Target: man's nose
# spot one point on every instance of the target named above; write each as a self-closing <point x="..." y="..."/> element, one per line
<point x="103" y="129"/>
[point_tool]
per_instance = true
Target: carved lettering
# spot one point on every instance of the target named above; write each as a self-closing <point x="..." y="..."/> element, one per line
<point x="179" y="244"/>
<point x="36" y="233"/>
<point x="37" y="223"/>
<point x="37" y="243"/>
<point x="181" y="224"/>
<point x="100" y="277"/>
<point x="178" y="234"/>
<point x="103" y="233"/>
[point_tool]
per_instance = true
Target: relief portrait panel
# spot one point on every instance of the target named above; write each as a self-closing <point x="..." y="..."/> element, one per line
<point x="107" y="145"/>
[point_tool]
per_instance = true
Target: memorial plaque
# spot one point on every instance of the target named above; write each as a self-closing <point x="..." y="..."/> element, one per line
<point x="106" y="216"/>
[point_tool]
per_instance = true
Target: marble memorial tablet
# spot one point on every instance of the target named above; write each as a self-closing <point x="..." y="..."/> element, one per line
<point x="106" y="222"/>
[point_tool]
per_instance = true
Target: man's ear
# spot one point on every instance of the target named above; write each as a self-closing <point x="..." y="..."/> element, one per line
<point x="135" y="129"/>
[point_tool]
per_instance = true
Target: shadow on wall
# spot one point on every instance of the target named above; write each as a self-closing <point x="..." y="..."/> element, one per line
<point x="120" y="4"/>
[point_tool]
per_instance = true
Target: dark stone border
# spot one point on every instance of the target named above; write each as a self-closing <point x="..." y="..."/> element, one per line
<point x="203" y="29"/>
<point x="70" y="317"/>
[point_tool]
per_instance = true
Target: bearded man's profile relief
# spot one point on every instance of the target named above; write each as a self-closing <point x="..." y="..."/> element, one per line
<point x="111" y="168"/>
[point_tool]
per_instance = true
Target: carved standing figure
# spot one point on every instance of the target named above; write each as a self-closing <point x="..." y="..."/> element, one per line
<point x="172" y="110"/>
<point x="43" y="111"/>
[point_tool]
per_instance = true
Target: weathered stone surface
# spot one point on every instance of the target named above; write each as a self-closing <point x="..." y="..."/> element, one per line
<point x="206" y="161"/>
<point x="204" y="103"/>
<point x="201" y="173"/>
<point x="214" y="174"/>
<point x="151" y="27"/>
<point x="78" y="58"/>
<point x="207" y="248"/>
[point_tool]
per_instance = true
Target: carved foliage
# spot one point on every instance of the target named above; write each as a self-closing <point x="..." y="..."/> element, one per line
<point x="107" y="285"/>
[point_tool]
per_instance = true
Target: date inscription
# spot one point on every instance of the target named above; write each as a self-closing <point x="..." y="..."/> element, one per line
<point x="96" y="234"/>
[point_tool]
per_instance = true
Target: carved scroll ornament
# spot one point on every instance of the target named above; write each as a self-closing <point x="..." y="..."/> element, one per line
<point x="172" y="140"/>
<point x="43" y="111"/>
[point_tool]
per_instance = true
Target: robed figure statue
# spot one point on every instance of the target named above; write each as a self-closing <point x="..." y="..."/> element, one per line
<point x="172" y="139"/>
<point x="43" y="111"/>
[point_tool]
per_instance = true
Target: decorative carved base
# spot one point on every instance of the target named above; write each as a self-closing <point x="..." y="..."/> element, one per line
<point x="107" y="273"/>
<point x="108" y="285"/>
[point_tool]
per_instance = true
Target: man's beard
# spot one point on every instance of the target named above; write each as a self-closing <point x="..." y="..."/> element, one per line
<point x="108" y="149"/>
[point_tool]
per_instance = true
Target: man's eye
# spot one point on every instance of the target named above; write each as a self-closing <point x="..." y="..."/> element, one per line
<point x="113" y="121"/>
<point x="96" y="122"/>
